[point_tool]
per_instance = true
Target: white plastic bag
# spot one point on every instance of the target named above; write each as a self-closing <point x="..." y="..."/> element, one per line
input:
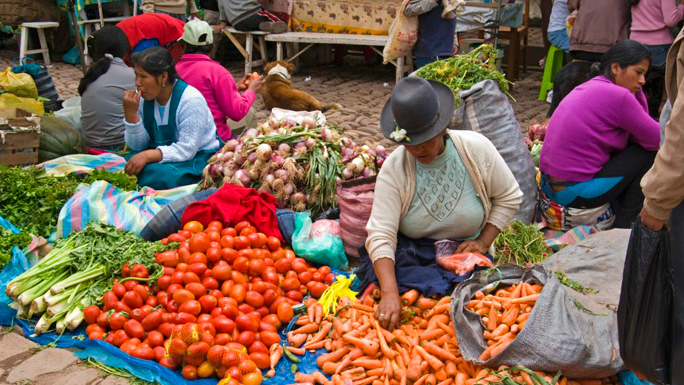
<point x="403" y="35"/>
<point x="298" y="116"/>
<point x="71" y="112"/>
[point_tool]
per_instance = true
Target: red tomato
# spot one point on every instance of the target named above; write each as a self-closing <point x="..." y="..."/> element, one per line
<point x="291" y="284"/>
<point x="230" y="311"/>
<point x="193" y="226"/>
<point x="226" y="287"/>
<point x="228" y="231"/>
<point x="305" y="277"/>
<point x="273" y="243"/>
<point x="197" y="258"/>
<point x="134" y="329"/>
<point x="95" y="328"/>
<point x="242" y="225"/>
<point x="247" y="231"/>
<point x="251" y="378"/>
<point x="177" y="277"/>
<point x="110" y="299"/>
<point x="299" y="267"/>
<point x="247" y="253"/>
<point x="163" y="298"/>
<point x="229" y="255"/>
<point x="258" y="347"/>
<point x="246" y="338"/>
<point x="197" y="268"/>
<point x="90" y="314"/>
<point x="241" y="264"/>
<point x="117" y="321"/>
<point x="152" y="301"/>
<point x="183" y="295"/>
<point x="159" y="353"/>
<point x="190" y="277"/>
<point x="143" y="352"/>
<point x="227" y="241"/>
<point x="246" y="323"/>
<point x="139" y="314"/>
<point x="152" y="320"/>
<point x="172" y="289"/>
<point x="238" y="277"/>
<point x="245" y="308"/>
<point x="269" y="338"/>
<point x="294" y="295"/>
<point x="271" y="277"/>
<point x="213" y="254"/>
<point x="120" y="337"/>
<point x="259" y="286"/>
<point x="96" y="335"/>
<point x="256" y="267"/>
<point x="143" y="292"/>
<point x="210" y="283"/>
<point x="189" y="372"/>
<point x="196" y="288"/>
<point x="241" y="242"/>
<point x="265" y="326"/>
<point x="221" y="272"/>
<point x="172" y="306"/>
<point x="119" y="290"/>
<point x="208" y="303"/>
<point x="269" y="296"/>
<point x="261" y="360"/>
<point x="168" y="258"/>
<point x="283" y="265"/>
<point x="155" y="338"/>
<point x="238" y="293"/>
<point x="205" y="317"/>
<point x="164" y="282"/>
<point x="139" y="271"/>
<point x="223" y="324"/>
<point x="130" y="345"/>
<point x="330" y="278"/>
<point x="175" y="238"/>
<point x="317" y="289"/>
<point x="182" y="318"/>
<point x="222" y="339"/>
<point x="199" y="243"/>
<point x="254" y="299"/>
<point x="254" y="240"/>
<point x="166" y="329"/>
<point x="193" y="307"/>
<point x="317" y="276"/>
<point x="129" y="285"/>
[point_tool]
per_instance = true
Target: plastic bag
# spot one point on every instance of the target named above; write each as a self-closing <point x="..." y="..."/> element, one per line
<point x="71" y="112"/>
<point x="403" y="35"/>
<point x="27" y="104"/>
<point x="458" y="263"/>
<point x="645" y="309"/>
<point x="321" y="247"/>
<point x="18" y="84"/>
<point x="40" y="75"/>
<point x="356" y="202"/>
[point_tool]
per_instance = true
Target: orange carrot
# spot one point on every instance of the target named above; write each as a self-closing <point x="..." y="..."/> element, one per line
<point x="375" y="372"/>
<point x="302" y="320"/>
<point x="440" y="375"/>
<point x="421" y="380"/>
<point x="332" y="357"/>
<point x="500" y="330"/>
<point x="448" y="330"/>
<point x="302" y="377"/>
<point x="389" y="337"/>
<point x="367" y="380"/>
<point x="510" y="315"/>
<point x="325" y="329"/>
<point x="330" y="367"/>
<point x="408" y="298"/>
<point x="313" y="346"/>
<point x="439" y="352"/>
<point x="431" y="334"/>
<point x="445" y="308"/>
<point x="362" y="307"/>
<point x="425" y="303"/>
<point x="461" y="378"/>
<point x="448" y="381"/>
<point x="500" y="347"/>
<point x="353" y="354"/>
<point x="297" y="351"/>
<point x="389" y="353"/>
<point x="435" y="363"/>
<point x="522" y="317"/>
<point x="526" y="299"/>
<point x="431" y="380"/>
<point x="526" y="377"/>
<point x="369" y="347"/>
<point x="296" y="340"/>
<point x="367" y="363"/>
<point x="432" y="322"/>
<point x="369" y="301"/>
<point x="413" y="371"/>
<point x="306" y="329"/>
<point x="491" y="322"/>
<point x="451" y="369"/>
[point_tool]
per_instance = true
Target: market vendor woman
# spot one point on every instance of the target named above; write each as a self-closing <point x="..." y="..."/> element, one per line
<point x="440" y="184"/>
<point x="172" y="133"/>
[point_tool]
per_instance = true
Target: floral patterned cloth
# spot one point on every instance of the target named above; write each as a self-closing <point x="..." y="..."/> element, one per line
<point x="362" y="17"/>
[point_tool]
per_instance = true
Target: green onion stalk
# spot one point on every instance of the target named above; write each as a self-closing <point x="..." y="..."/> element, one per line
<point x="76" y="274"/>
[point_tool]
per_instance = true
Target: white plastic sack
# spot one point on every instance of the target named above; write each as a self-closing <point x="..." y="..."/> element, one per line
<point x="403" y="35"/>
<point x="281" y="114"/>
<point x="71" y="112"/>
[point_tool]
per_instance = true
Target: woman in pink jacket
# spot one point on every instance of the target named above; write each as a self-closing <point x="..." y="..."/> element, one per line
<point x="652" y="23"/>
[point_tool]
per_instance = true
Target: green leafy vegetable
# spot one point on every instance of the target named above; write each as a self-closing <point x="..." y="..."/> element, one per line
<point x="7" y="241"/>
<point x="579" y="305"/>
<point x="574" y="285"/>
<point x="462" y="72"/>
<point x="520" y="244"/>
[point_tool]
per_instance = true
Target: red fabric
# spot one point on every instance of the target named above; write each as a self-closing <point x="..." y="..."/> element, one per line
<point x="152" y="25"/>
<point x="97" y="151"/>
<point x="232" y="204"/>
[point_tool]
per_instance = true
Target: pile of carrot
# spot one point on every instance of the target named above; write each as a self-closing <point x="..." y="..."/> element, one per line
<point x="422" y="351"/>
<point x="504" y="314"/>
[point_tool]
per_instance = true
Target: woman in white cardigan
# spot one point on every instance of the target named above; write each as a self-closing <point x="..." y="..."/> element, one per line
<point x="440" y="184"/>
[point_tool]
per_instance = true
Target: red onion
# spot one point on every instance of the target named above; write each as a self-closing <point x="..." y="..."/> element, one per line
<point x="240" y="158"/>
<point x="288" y="123"/>
<point x="277" y="159"/>
<point x="263" y="152"/>
<point x="379" y="149"/>
<point x="326" y="134"/>
<point x="251" y="133"/>
<point x="231" y="145"/>
<point x="289" y="189"/>
<point x="379" y="161"/>
<point x="242" y="178"/>
<point x="218" y="156"/>
<point x="308" y="123"/>
<point x="252" y="157"/>
<point x="284" y="148"/>
<point x="299" y="145"/>
<point x="273" y="123"/>
<point x="310" y="143"/>
<point x="347" y="173"/>
<point x="215" y="170"/>
<point x="367" y="172"/>
<point x="298" y="197"/>
<point x="281" y="174"/>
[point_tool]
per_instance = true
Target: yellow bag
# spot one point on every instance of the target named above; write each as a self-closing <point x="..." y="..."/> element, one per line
<point x="19" y="84"/>
<point x="27" y="104"/>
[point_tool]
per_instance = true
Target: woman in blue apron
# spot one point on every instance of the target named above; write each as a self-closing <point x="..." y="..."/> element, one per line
<point x="171" y="133"/>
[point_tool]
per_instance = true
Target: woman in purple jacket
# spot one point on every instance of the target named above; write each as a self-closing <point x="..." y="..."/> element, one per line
<point x="601" y="140"/>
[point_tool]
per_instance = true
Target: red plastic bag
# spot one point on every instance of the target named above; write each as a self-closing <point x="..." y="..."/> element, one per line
<point x="458" y="263"/>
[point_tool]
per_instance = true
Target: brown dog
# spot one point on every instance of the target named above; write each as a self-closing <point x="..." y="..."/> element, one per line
<point x="278" y="92"/>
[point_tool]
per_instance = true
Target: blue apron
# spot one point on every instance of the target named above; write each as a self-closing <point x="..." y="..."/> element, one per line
<point x="163" y="176"/>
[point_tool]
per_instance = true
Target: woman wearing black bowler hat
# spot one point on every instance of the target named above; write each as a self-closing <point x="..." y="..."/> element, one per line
<point x="440" y="184"/>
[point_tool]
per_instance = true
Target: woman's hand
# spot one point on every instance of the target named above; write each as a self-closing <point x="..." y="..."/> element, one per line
<point x="389" y="310"/>
<point x="219" y="27"/>
<point x="140" y="160"/>
<point x="473" y="246"/>
<point x="255" y="84"/>
<point x="650" y="222"/>
<point x="242" y="84"/>
<point x="131" y="102"/>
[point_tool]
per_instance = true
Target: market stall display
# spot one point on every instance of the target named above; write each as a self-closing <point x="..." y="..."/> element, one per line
<point x="363" y="17"/>
<point x="299" y="164"/>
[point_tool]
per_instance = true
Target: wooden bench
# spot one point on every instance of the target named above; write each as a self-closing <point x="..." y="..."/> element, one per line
<point x="248" y="48"/>
<point x="311" y="38"/>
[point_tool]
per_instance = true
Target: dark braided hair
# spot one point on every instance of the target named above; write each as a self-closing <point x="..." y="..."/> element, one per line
<point x="104" y="45"/>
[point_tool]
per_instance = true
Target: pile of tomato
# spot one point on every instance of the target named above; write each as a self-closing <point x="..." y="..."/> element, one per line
<point x="216" y="310"/>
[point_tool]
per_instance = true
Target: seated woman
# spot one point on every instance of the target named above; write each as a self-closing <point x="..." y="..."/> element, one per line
<point x="600" y="140"/>
<point x="172" y="133"/>
<point x="102" y="91"/>
<point x="439" y="184"/>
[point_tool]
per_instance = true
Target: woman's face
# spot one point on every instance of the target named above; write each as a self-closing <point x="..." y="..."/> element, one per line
<point x="632" y="77"/>
<point x="149" y="85"/>
<point x="426" y="152"/>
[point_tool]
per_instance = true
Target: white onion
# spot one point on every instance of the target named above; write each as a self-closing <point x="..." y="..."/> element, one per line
<point x="310" y="143"/>
<point x="359" y="164"/>
<point x="251" y="133"/>
<point x="347" y="173"/>
<point x="218" y="155"/>
<point x="269" y="178"/>
<point x="380" y="149"/>
<point x="273" y="123"/>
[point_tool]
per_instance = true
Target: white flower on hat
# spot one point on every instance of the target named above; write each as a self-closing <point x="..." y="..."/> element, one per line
<point x="399" y="135"/>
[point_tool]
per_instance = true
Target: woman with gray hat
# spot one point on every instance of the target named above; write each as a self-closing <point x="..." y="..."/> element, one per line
<point x="440" y="184"/>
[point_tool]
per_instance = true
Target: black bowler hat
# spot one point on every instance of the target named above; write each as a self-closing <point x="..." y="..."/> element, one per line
<point x="417" y="111"/>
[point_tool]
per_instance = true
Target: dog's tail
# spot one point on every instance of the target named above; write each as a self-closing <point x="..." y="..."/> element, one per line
<point x="330" y="106"/>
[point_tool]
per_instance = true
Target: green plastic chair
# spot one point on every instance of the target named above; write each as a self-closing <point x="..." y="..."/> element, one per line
<point x="554" y="62"/>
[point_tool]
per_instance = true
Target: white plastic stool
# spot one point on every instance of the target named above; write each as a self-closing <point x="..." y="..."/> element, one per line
<point x="39" y="26"/>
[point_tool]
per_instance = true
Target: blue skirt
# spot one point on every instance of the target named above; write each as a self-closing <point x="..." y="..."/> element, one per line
<point x="164" y="176"/>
